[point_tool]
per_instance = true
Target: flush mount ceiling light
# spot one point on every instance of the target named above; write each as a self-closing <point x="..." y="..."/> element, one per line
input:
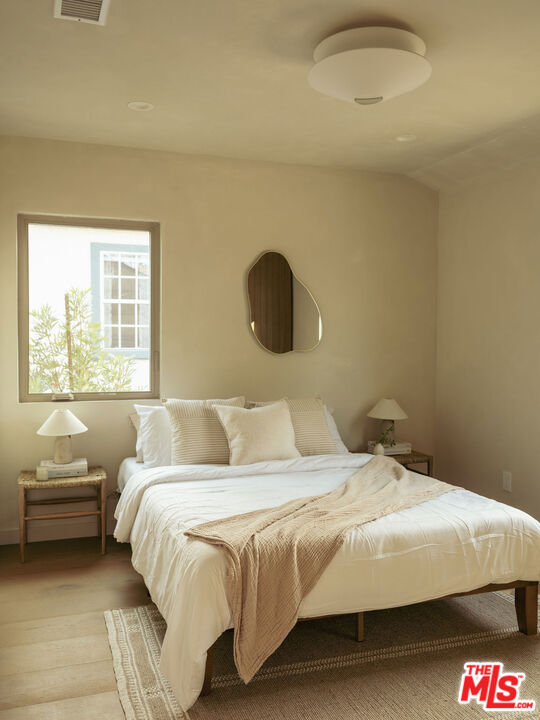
<point x="140" y="106"/>
<point x="369" y="65"/>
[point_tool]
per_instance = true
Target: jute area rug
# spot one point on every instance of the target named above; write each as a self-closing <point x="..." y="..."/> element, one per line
<point x="408" y="668"/>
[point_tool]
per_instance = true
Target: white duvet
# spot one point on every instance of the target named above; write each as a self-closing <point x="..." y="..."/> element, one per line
<point x="454" y="543"/>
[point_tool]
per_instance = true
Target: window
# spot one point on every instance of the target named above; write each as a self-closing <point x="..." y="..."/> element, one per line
<point x="88" y="308"/>
<point x="121" y="297"/>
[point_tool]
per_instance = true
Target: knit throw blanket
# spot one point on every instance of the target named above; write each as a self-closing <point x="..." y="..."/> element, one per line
<point x="276" y="555"/>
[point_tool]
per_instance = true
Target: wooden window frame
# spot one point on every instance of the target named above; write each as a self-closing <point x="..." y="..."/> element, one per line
<point x="153" y="228"/>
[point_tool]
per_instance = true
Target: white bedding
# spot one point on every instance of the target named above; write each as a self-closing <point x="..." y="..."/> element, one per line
<point x="454" y="543"/>
<point x="128" y="467"/>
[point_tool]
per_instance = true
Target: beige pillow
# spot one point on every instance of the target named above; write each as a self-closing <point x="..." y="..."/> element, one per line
<point x="312" y="434"/>
<point x="197" y="436"/>
<point x="264" y="433"/>
<point x="310" y="427"/>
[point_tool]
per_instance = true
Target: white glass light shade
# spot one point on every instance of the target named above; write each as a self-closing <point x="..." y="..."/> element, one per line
<point x="62" y="422"/>
<point x="369" y="65"/>
<point x="387" y="409"/>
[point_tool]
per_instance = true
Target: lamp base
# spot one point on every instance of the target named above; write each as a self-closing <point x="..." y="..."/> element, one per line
<point x="62" y="450"/>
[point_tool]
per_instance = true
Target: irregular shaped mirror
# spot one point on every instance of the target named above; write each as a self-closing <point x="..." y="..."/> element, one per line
<point x="284" y="316"/>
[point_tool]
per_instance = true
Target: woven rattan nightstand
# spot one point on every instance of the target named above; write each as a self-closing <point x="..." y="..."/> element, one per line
<point x="96" y="479"/>
<point x="414" y="458"/>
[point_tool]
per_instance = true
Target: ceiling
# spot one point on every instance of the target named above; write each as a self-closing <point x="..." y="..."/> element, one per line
<point x="229" y="79"/>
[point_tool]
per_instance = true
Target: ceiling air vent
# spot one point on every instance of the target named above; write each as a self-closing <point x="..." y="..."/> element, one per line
<point x="87" y="11"/>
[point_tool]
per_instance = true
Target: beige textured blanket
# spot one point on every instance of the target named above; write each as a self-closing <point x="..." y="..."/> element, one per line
<point x="278" y="554"/>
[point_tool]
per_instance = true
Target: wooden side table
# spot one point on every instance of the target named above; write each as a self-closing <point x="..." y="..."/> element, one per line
<point x="416" y="457"/>
<point x="96" y="479"/>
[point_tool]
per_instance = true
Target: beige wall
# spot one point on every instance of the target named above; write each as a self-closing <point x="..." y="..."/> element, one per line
<point x="364" y="243"/>
<point x="488" y="374"/>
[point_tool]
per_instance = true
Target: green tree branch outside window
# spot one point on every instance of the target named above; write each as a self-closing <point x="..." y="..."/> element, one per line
<point x="68" y="353"/>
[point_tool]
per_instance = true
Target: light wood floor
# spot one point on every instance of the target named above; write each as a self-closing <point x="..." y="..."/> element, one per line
<point x="55" y="660"/>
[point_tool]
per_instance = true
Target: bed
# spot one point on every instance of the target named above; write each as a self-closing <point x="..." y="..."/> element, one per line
<point x="128" y="467"/>
<point x="457" y="543"/>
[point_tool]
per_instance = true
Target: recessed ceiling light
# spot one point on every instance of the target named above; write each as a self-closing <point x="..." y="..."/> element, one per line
<point x="140" y="106"/>
<point x="406" y="137"/>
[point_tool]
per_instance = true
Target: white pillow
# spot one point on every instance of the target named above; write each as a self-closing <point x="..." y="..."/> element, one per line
<point x="334" y="432"/>
<point x="264" y="433"/>
<point x="136" y="422"/>
<point x="154" y="435"/>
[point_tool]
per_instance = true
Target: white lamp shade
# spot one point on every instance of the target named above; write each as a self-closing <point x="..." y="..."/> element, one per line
<point x="62" y="422"/>
<point x="387" y="409"/>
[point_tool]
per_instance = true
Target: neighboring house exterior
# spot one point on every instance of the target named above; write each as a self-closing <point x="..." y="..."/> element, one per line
<point x="116" y="271"/>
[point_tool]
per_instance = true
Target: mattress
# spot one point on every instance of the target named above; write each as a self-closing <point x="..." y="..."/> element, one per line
<point x="454" y="543"/>
<point x="128" y="467"/>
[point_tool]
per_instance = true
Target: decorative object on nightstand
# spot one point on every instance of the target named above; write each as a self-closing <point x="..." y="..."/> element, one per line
<point x="388" y="411"/>
<point x="48" y="469"/>
<point x="62" y="424"/>
<point x="96" y="479"/>
<point x="399" y="448"/>
<point x="378" y="449"/>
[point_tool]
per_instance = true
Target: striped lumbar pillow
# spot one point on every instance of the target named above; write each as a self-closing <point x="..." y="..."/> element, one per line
<point x="197" y="436"/>
<point x="312" y="435"/>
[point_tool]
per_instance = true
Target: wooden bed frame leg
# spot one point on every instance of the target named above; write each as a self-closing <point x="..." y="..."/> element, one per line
<point x="359" y="626"/>
<point x="526" y="600"/>
<point x="207" y="685"/>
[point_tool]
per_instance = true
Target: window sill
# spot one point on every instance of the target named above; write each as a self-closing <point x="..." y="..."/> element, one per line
<point x="84" y="397"/>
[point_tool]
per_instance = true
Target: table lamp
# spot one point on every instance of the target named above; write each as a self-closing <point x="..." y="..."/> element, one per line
<point x="386" y="409"/>
<point x="62" y="424"/>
